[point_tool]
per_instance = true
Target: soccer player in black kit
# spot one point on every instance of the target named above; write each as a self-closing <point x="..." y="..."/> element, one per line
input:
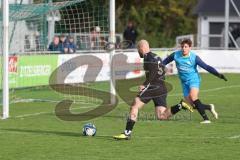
<point x="153" y="88"/>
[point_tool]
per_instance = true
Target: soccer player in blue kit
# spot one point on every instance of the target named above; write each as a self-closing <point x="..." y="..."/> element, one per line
<point x="186" y="63"/>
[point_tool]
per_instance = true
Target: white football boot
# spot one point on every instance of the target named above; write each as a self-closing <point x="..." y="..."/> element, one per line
<point x="213" y="111"/>
<point x="205" y="122"/>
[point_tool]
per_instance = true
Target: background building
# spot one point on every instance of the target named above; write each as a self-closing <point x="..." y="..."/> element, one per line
<point x="211" y="18"/>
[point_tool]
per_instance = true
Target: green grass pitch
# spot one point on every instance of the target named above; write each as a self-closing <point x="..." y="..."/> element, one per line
<point x="34" y="132"/>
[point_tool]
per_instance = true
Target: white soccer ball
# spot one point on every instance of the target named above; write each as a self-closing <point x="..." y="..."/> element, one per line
<point x="89" y="129"/>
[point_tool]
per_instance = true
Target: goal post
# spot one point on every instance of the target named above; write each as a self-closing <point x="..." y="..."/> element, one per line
<point x="5" y="52"/>
<point x="112" y="52"/>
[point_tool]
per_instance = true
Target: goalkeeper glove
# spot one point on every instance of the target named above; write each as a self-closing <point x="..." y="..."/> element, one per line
<point x="222" y="77"/>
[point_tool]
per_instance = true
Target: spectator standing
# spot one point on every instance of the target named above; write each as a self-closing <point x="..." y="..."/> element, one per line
<point x="130" y="34"/>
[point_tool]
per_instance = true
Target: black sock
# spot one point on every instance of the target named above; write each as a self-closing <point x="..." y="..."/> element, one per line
<point x="207" y="106"/>
<point x="175" y="109"/>
<point x="201" y="109"/>
<point x="130" y="124"/>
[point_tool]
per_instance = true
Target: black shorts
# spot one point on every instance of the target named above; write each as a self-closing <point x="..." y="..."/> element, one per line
<point x="157" y="93"/>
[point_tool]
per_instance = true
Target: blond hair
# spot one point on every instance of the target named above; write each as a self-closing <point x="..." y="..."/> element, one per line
<point x="142" y="42"/>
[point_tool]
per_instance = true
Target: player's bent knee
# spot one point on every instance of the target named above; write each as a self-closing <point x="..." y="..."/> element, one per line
<point x="162" y="116"/>
<point x="133" y="117"/>
<point x="193" y="97"/>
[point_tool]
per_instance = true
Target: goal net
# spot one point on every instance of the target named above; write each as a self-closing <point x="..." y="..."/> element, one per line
<point x="44" y="38"/>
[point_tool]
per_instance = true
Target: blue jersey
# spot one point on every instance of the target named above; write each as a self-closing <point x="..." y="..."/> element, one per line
<point x="187" y="65"/>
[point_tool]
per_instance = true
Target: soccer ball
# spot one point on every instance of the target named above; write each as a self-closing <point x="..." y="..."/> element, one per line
<point x="89" y="129"/>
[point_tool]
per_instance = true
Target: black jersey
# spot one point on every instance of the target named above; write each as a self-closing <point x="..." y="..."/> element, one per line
<point x="155" y="88"/>
<point x="154" y="69"/>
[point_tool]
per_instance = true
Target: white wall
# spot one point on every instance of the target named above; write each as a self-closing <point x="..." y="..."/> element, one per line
<point x="225" y="61"/>
<point x="18" y="2"/>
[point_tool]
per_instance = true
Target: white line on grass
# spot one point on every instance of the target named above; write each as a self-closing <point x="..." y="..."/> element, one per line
<point x="55" y="101"/>
<point x="209" y="90"/>
<point x="40" y="113"/>
<point x="220" y="88"/>
<point x="41" y="100"/>
<point x="121" y="102"/>
<point x="234" y="137"/>
<point x="32" y="114"/>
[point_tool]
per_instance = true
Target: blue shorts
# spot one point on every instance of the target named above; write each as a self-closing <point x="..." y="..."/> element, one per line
<point x="186" y="86"/>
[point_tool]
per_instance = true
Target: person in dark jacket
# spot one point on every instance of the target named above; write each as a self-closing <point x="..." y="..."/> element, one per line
<point x="54" y="45"/>
<point x="130" y="34"/>
<point x="69" y="46"/>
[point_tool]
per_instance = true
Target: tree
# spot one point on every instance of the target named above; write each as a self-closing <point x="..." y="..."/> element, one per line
<point x="158" y="21"/>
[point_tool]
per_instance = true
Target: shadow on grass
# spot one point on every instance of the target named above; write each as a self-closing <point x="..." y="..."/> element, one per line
<point x="57" y="133"/>
<point x="42" y="132"/>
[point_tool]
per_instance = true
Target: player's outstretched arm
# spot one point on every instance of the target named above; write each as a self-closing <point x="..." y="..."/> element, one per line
<point x="169" y="59"/>
<point x="222" y="77"/>
<point x="210" y="69"/>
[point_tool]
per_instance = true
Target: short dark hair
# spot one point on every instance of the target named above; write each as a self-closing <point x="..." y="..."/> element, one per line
<point x="186" y="41"/>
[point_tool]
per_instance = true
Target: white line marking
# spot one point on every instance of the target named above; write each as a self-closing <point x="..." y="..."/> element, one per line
<point x="40" y="113"/>
<point x="220" y="88"/>
<point x="208" y="90"/>
<point x="120" y="102"/>
<point x="234" y="137"/>
<point x="43" y="100"/>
